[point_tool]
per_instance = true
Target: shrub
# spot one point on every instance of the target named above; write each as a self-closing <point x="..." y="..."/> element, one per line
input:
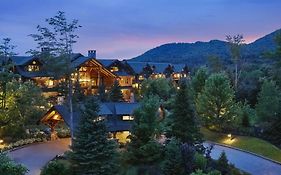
<point x="8" y="167"/>
<point x="57" y="167"/>
<point x="200" y="161"/>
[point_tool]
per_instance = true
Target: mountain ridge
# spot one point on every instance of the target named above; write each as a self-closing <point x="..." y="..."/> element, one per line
<point x="197" y="53"/>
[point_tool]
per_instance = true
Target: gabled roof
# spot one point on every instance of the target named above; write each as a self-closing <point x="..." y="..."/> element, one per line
<point x="107" y="62"/>
<point x="22" y="60"/>
<point x="24" y="73"/>
<point x="106" y="109"/>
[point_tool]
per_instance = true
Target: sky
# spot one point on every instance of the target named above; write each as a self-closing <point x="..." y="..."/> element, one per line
<point x="127" y="28"/>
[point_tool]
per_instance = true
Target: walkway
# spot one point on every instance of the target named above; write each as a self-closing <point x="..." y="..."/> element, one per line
<point x="248" y="162"/>
<point x="35" y="156"/>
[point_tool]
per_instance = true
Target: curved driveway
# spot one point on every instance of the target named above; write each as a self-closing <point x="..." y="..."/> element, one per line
<point x="35" y="156"/>
<point x="247" y="162"/>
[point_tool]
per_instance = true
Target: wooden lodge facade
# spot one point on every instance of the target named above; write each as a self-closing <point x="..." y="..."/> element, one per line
<point x="91" y="72"/>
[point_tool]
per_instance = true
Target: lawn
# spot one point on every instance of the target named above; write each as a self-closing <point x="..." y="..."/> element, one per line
<point x="251" y="144"/>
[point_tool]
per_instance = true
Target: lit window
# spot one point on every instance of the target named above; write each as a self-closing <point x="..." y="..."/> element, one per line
<point x="32" y="68"/>
<point x="114" y="69"/>
<point x="127" y="117"/>
<point x="99" y="119"/>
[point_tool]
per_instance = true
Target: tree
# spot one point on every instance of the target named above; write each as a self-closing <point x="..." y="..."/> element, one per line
<point x="198" y="81"/>
<point x="173" y="163"/>
<point x="56" y="167"/>
<point x="250" y="84"/>
<point x="184" y="127"/>
<point x="269" y="101"/>
<point x="115" y="93"/>
<point x="276" y="57"/>
<point x="102" y="95"/>
<point x="92" y="151"/>
<point x="215" y="64"/>
<point x="55" y="48"/>
<point x="222" y="164"/>
<point x="184" y="122"/>
<point x="235" y="44"/>
<point x="6" y="75"/>
<point x="160" y="87"/>
<point x="143" y="148"/>
<point x="169" y="70"/>
<point x="147" y="71"/>
<point x="7" y="166"/>
<point x="216" y="102"/>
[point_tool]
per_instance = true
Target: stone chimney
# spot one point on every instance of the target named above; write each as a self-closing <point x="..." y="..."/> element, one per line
<point x="92" y="54"/>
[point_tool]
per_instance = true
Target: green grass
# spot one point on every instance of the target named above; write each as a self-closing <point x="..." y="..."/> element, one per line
<point x="251" y="144"/>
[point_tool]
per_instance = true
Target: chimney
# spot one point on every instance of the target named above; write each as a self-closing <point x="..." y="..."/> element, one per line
<point x="92" y="54"/>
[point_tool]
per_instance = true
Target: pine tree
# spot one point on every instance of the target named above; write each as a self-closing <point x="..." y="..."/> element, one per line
<point x="269" y="102"/>
<point x="222" y="164"/>
<point x="102" y="95"/>
<point x="115" y="93"/>
<point x="92" y="152"/>
<point x="173" y="163"/>
<point x="216" y="102"/>
<point x="143" y="149"/>
<point x="184" y="123"/>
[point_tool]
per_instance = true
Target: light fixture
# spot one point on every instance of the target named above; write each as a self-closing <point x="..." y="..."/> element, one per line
<point x="229" y="136"/>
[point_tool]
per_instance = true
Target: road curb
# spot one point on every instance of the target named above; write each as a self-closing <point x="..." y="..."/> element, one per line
<point x="248" y="152"/>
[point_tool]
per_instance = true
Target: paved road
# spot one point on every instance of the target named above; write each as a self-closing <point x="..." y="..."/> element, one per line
<point x="35" y="156"/>
<point x="248" y="162"/>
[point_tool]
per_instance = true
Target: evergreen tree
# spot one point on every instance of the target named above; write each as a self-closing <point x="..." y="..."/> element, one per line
<point x="115" y="93"/>
<point x="102" y="95"/>
<point x="269" y="102"/>
<point x="198" y="81"/>
<point x="215" y="64"/>
<point x="216" y="102"/>
<point x="184" y="123"/>
<point x="173" y="163"/>
<point x="222" y="164"/>
<point x="92" y="152"/>
<point x="143" y="148"/>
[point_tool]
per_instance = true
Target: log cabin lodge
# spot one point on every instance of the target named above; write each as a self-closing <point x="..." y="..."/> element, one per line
<point x="91" y="73"/>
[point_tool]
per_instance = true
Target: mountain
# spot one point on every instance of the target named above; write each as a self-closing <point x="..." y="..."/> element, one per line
<point x="197" y="53"/>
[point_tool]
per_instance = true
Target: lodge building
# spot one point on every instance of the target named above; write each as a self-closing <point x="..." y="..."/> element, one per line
<point x="91" y="73"/>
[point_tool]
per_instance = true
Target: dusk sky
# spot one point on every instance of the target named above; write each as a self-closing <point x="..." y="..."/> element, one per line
<point x="128" y="28"/>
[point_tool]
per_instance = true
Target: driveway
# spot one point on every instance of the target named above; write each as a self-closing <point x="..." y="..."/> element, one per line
<point x="35" y="156"/>
<point x="248" y="162"/>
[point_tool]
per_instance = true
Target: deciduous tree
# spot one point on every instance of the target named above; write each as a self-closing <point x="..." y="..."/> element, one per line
<point x="216" y="102"/>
